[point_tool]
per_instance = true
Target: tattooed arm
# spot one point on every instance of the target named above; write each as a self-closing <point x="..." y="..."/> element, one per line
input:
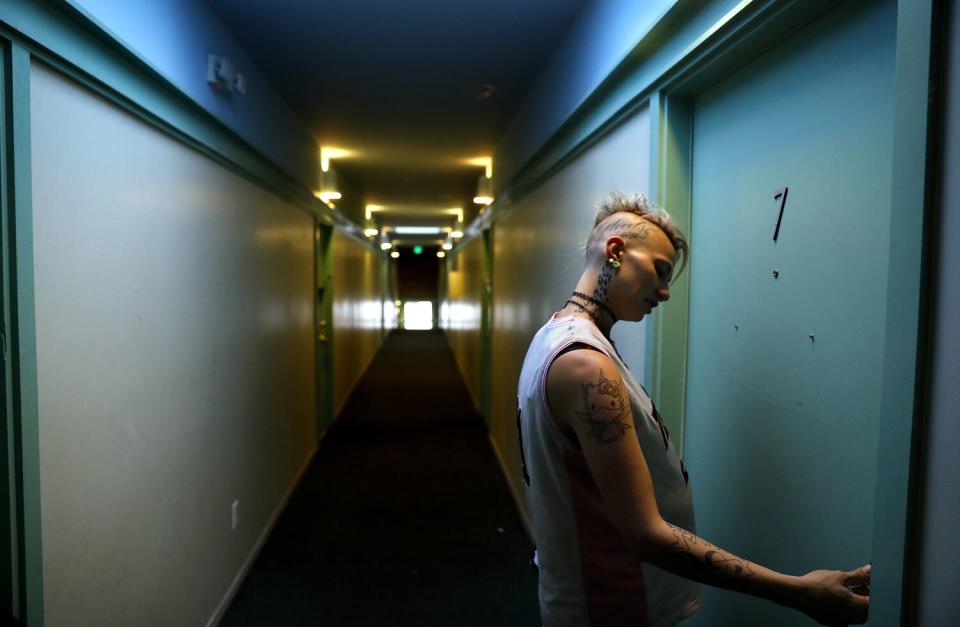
<point x="586" y="394"/>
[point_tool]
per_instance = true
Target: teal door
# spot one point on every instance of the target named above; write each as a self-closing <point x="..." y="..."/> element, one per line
<point x="786" y="337"/>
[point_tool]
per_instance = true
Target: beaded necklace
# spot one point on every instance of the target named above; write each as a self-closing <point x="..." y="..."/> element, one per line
<point x="599" y="303"/>
<point x="583" y="306"/>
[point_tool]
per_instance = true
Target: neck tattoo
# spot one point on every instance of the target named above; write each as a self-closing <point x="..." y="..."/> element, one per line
<point x="599" y="303"/>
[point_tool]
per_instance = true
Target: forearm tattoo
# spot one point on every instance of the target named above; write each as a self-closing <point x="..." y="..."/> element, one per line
<point x="604" y="409"/>
<point x="715" y="564"/>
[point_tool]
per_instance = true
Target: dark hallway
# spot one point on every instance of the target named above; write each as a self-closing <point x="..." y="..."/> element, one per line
<point x="403" y="517"/>
<point x="216" y="215"/>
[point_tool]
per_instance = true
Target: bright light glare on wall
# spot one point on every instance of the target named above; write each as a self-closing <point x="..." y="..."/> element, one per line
<point x="418" y="315"/>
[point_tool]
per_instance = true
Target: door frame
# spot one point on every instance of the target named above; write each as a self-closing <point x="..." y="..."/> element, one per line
<point x="486" y="324"/>
<point x="20" y="458"/>
<point x="893" y="546"/>
<point x="323" y="324"/>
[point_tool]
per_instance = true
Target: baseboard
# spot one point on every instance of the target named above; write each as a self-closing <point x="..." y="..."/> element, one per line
<point x="517" y="496"/>
<point x="255" y="551"/>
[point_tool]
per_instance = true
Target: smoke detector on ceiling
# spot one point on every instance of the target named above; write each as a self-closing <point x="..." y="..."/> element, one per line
<point x="481" y="91"/>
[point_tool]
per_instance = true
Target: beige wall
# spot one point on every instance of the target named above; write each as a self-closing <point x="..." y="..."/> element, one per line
<point x="538" y="256"/>
<point x="461" y="312"/>
<point x="357" y="312"/>
<point x="174" y="311"/>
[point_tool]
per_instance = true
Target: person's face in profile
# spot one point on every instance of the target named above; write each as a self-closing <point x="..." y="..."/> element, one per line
<point x="643" y="279"/>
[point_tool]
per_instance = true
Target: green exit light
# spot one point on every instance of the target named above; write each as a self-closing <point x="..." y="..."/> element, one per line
<point x="417" y="250"/>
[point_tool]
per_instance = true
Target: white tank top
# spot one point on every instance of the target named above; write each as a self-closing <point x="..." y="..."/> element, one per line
<point x="587" y="575"/>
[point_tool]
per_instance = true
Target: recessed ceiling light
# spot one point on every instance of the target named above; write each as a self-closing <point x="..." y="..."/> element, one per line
<point x="484" y="162"/>
<point x="481" y="91"/>
<point x="328" y="196"/>
<point x="329" y="152"/>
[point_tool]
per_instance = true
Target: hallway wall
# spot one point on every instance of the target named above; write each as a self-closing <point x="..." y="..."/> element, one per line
<point x="604" y="33"/>
<point x="537" y="259"/>
<point x="462" y="309"/>
<point x="174" y="305"/>
<point x="357" y="312"/>
<point x="175" y="37"/>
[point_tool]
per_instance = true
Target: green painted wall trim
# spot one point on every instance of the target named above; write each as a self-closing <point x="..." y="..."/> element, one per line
<point x="9" y="519"/>
<point x="58" y="34"/>
<point x="671" y="133"/>
<point x="19" y="305"/>
<point x="912" y="207"/>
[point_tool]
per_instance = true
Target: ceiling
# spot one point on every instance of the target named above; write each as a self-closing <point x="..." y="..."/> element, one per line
<point x="412" y="89"/>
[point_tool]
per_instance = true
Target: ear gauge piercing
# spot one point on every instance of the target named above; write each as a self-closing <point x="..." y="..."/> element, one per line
<point x="614" y="262"/>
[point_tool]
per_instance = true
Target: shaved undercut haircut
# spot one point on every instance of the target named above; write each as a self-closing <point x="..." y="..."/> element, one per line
<point x="618" y="215"/>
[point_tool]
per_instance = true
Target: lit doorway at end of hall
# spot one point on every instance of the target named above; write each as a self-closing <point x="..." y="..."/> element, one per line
<point x="418" y="315"/>
<point x="418" y="276"/>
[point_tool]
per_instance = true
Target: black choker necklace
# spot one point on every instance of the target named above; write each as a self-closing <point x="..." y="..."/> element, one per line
<point x="599" y="303"/>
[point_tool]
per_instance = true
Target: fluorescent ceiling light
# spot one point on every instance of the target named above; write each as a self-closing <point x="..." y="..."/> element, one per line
<point x="456" y="234"/>
<point x="441" y="254"/>
<point x="371" y="232"/>
<point x="386" y="246"/>
<point x="394" y="254"/>
<point x="416" y="230"/>
<point x="447" y="246"/>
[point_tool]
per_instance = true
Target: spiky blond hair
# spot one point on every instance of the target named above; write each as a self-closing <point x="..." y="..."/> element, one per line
<point x="613" y="219"/>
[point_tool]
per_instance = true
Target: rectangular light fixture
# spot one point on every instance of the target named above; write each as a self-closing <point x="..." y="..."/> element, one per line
<point x="416" y="230"/>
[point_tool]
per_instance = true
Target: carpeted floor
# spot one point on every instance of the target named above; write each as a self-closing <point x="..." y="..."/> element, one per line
<point x="403" y="518"/>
